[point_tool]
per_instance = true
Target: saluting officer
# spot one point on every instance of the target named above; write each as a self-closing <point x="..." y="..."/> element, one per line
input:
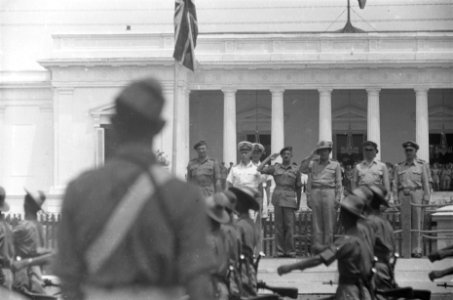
<point x="286" y="199"/>
<point x="129" y="229"/>
<point x="6" y="245"/>
<point x="323" y="193"/>
<point x="370" y="170"/>
<point x="204" y="171"/>
<point x="411" y="183"/>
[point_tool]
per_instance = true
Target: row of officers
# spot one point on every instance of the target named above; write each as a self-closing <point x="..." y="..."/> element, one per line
<point x="324" y="190"/>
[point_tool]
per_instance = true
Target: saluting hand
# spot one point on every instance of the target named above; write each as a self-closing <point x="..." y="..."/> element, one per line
<point x="274" y="156"/>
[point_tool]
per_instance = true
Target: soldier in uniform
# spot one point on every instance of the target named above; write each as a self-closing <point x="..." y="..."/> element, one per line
<point x="218" y="244"/>
<point x="249" y="237"/>
<point x="411" y="183"/>
<point x="204" y="171"/>
<point x="354" y="259"/>
<point x="6" y="245"/>
<point x="370" y="170"/>
<point x="129" y="229"/>
<point x="324" y="190"/>
<point x="244" y="173"/>
<point x="286" y="199"/>
<point x="29" y="243"/>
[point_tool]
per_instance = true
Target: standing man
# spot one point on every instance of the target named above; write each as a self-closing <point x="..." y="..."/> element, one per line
<point x="129" y="229"/>
<point x="244" y="173"/>
<point x="370" y="170"/>
<point x="411" y="183"/>
<point x="204" y="171"/>
<point x="286" y="199"/>
<point x="6" y="245"/>
<point x="323" y="193"/>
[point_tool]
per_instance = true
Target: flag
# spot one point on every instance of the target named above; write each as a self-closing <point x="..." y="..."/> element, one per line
<point x="186" y="32"/>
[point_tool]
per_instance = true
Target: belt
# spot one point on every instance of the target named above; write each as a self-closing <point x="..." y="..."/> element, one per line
<point x="410" y="189"/>
<point x="322" y="187"/>
<point x="133" y="292"/>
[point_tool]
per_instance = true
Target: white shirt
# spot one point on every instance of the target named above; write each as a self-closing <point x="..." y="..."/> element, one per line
<point x="245" y="175"/>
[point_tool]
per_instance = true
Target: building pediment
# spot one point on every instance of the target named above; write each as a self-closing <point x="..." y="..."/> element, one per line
<point x="350" y="114"/>
<point x="102" y="114"/>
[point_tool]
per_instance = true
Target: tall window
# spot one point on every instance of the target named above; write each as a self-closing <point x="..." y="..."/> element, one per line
<point x="441" y="160"/>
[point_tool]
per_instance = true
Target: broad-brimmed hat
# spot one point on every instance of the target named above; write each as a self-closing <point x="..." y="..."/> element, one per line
<point x="379" y="193"/>
<point x="245" y="146"/>
<point x="257" y="147"/>
<point x="324" y="145"/>
<point x="364" y="192"/>
<point x="410" y="144"/>
<point x="198" y="144"/>
<point x="4" y="207"/>
<point x="246" y="195"/>
<point x="354" y="204"/>
<point x="215" y="208"/>
<point x="230" y="204"/>
<point x="38" y="197"/>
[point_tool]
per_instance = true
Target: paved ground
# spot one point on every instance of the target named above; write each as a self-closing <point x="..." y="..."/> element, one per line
<point x="314" y="282"/>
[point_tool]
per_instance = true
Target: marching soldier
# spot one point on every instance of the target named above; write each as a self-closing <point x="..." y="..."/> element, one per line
<point x="6" y="245"/>
<point x="411" y="183"/>
<point x="370" y="170"/>
<point x="354" y="259"/>
<point x="323" y="193"/>
<point x="204" y="171"/>
<point x="286" y="199"/>
<point x="249" y="236"/>
<point x="129" y="229"/>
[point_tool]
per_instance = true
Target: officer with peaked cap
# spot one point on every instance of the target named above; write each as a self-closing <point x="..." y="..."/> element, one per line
<point x="324" y="189"/>
<point x="6" y="244"/>
<point x="351" y="252"/>
<point x="204" y="171"/>
<point x="244" y="173"/>
<point x="129" y="229"/>
<point x="370" y="170"/>
<point x="411" y="184"/>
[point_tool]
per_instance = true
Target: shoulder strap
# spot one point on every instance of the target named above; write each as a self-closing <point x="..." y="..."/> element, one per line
<point x="123" y="217"/>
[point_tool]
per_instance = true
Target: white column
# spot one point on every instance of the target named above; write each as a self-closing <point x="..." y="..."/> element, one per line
<point x="99" y="146"/>
<point x="180" y="144"/>
<point x="229" y="126"/>
<point x="325" y="114"/>
<point x="374" y="119"/>
<point x="278" y="122"/>
<point x="167" y="132"/>
<point x="422" y="123"/>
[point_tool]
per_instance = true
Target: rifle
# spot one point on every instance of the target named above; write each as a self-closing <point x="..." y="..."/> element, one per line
<point x="281" y="291"/>
<point x="445" y="285"/>
<point x="406" y="293"/>
<point x="39" y="260"/>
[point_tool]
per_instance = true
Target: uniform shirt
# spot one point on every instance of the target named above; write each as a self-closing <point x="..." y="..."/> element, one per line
<point x="248" y="235"/>
<point x="217" y="242"/>
<point x="410" y="176"/>
<point x="204" y="174"/>
<point x="384" y="246"/>
<point x="374" y="172"/>
<point x="162" y="248"/>
<point x="287" y="181"/>
<point x="245" y="175"/>
<point x="28" y="238"/>
<point x="6" y="243"/>
<point x="326" y="175"/>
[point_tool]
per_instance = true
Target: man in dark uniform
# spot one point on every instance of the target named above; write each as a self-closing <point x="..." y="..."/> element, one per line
<point x="411" y="183"/>
<point x="204" y="171"/>
<point x="354" y="260"/>
<point x="129" y="229"/>
<point x="249" y="236"/>
<point x="29" y="243"/>
<point x="6" y="245"/>
<point x="286" y="199"/>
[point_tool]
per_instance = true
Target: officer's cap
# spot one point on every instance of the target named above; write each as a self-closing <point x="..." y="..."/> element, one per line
<point x="354" y="204"/>
<point x="247" y="196"/>
<point x="257" y="147"/>
<point x="287" y="148"/>
<point x="370" y="144"/>
<point x="410" y="144"/>
<point x="143" y="97"/>
<point x="324" y="145"/>
<point x="245" y="146"/>
<point x="198" y="144"/>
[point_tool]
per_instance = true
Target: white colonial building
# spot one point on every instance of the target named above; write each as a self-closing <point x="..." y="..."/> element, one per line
<point x="273" y="70"/>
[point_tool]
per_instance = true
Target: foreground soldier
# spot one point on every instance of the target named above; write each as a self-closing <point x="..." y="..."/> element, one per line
<point x="6" y="245"/>
<point x="130" y="230"/>
<point x="354" y="261"/>
<point x="249" y="236"/>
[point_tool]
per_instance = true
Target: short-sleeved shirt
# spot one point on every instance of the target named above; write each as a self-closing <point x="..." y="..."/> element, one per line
<point x="165" y="246"/>
<point x="287" y="181"/>
<point x="410" y="175"/>
<point x="245" y="175"/>
<point x="384" y="245"/>
<point x="325" y="175"/>
<point x="370" y="172"/>
<point x="204" y="174"/>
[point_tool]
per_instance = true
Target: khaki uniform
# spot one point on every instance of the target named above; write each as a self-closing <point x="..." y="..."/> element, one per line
<point x="204" y="174"/>
<point x="375" y="172"/>
<point x="218" y="244"/>
<point x="323" y="190"/>
<point x="411" y="183"/>
<point x="6" y="253"/>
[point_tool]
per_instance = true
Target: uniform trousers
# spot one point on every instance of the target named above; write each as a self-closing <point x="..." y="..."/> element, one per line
<point x="324" y="216"/>
<point x="415" y="196"/>
<point x="284" y="230"/>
